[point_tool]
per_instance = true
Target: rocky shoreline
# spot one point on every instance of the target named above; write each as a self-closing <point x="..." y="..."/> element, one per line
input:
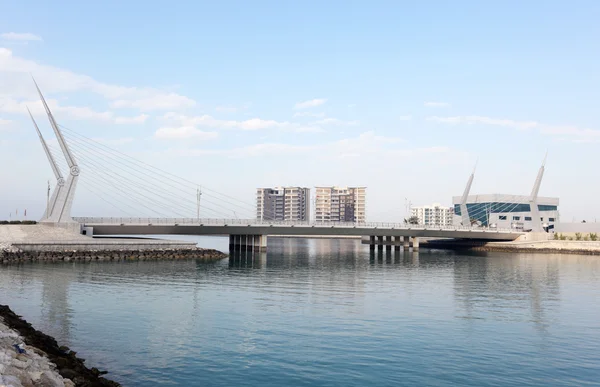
<point x="43" y="362"/>
<point x="13" y="255"/>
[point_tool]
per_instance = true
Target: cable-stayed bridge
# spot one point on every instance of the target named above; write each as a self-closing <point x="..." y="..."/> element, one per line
<point x="156" y="202"/>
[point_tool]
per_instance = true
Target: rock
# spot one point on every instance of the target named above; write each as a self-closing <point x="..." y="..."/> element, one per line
<point x="68" y="383"/>
<point x="49" y="379"/>
<point x="68" y="373"/>
<point x="21" y="364"/>
<point x="10" y="381"/>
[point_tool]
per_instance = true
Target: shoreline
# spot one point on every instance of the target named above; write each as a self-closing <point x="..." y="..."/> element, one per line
<point x="65" y="255"/>
<point x="44" y="362"/>
<point x="544" y="246"/>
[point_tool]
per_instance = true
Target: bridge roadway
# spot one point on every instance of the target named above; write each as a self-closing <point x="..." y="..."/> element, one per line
<point x="247" y="231"/>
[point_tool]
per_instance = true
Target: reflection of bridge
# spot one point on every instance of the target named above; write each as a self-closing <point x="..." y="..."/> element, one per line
<point x="252" y="234"/>
<point x="136" y="184"/>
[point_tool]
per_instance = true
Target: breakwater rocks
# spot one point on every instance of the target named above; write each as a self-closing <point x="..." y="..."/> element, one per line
<point x="30" y="358"/>
<point x="13" y="255"/>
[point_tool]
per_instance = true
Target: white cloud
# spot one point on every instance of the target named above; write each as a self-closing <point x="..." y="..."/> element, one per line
<point x="184" y="132"/>
<point x="573" y="133"/>
<point x="249" y="125"/>
<point x="168" y="101"/>
<point x="9" y="105"/>
<point x="15" y="81"/>
<point x="20" y="37"/>
<point x="405" y="118"/>
<point x="437" y="104"/>
<point x="114" y="141"/>
<point x="132" y="120"/>
<point x="309" y="114"/>
<point x="366" y="143"/>
<point x="310" y="103"/>
<point x="335" y="121"/>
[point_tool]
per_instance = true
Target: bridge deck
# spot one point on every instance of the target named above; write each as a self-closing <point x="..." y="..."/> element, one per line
<point x="141" y="226"/>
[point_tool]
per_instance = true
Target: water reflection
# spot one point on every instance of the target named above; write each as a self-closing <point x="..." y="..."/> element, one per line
<point x="299" y="295"/>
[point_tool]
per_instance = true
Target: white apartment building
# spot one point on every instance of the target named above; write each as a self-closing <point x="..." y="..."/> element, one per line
<point x="340" y="204"/>
<point x="283" y="203"/>
<point x="433" y="215"/>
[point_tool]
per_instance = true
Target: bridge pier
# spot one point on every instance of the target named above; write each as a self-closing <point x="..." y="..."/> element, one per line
<point x="380" y="242"/>
<point x="415" y="244"/>
<point x="397" y="243"/>
<point x="406" y="242"/>
<point x="248" y="242"/>
<point x="388" y="244"/>
<point x="372" y="242"/>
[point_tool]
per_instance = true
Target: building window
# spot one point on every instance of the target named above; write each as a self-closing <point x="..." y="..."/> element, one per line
<point x="502" y="217"/>
<point x="516" y="218"/>
<point x="550" y="219"/>
<point x="529" y="218"/>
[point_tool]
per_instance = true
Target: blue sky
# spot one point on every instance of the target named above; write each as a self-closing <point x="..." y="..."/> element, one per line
<point x="400" y="96"/>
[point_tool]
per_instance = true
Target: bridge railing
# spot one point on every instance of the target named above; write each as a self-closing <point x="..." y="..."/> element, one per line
<point x="258" y="223"/>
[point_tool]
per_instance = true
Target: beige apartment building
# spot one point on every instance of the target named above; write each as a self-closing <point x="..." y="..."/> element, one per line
<point x="283" y="203"/>
<point x="340" y="204"/>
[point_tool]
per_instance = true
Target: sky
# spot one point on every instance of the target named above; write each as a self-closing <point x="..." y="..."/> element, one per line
<point x="403" y="97"/>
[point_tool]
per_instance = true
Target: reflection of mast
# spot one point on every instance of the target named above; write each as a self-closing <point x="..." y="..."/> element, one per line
<point x="55" y="303"/>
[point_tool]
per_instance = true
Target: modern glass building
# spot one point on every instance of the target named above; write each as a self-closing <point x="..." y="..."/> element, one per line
<point x="507" y="211"/>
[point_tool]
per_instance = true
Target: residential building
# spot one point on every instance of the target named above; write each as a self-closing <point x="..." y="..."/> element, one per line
<point x="340" y="204"/>
<point x="507" y="211"/>
<point x="434" y="215"/>
<point x="283" y="203"/>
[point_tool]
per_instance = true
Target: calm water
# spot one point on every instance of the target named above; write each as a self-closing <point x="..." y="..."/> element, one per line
<point x="324" y="313"/>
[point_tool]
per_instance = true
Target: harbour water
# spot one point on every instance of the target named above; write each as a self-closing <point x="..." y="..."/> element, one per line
<point x="323" y="313"/>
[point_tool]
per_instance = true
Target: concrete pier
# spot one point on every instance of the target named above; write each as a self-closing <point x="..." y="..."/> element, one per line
<point x="406" y="242"/>
<point x="247" y="242"/>
<point x="415" y="244"/>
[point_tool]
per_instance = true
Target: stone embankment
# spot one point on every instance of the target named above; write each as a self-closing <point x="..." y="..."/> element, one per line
<point x="15" y="255"/>
<point x="42" y="363"/>
<point x="539" y="246"/>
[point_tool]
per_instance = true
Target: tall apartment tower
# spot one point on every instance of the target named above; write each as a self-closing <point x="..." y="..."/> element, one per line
<point x="283" y="203"/>
<point x="340" y="204"/>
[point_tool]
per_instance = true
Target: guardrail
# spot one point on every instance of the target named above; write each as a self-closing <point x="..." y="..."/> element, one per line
<point x="257" y="223"/>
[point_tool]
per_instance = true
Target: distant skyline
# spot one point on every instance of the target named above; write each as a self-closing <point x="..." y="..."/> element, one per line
<point x="400" y="97"/>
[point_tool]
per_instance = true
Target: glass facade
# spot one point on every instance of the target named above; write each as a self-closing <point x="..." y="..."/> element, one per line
<point x="480" y="211"/>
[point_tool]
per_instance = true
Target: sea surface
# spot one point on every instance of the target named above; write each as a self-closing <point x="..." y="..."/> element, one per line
<point x="323" y="313"/>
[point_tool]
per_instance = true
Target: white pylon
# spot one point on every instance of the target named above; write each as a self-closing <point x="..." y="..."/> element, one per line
<point x="60" y="212"/>
<point x="60" y="181"/>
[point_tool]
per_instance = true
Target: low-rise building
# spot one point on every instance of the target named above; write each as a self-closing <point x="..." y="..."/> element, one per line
<point x="507" y="211"/>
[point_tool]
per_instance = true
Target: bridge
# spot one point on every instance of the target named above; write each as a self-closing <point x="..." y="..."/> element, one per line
<point x="141" y="186"/>
<point x="251" y="234"/>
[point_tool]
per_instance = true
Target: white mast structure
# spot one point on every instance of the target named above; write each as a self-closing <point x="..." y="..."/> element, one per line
<point x="64" y="193"/>
<point x="464" y="212"/>
<point x="60" y="181"/>
<point x="535" y="211"/>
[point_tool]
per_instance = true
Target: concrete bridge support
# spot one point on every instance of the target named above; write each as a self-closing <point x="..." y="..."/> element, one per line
<point x="397" y="243"/>
<point x="388" y="244"/>
<point x="380" y="242"/>
<point x="406" y="242"/>
<point x="247" y="242"/>
<point x="415" y="244"/>
<point x="372" y="242"/>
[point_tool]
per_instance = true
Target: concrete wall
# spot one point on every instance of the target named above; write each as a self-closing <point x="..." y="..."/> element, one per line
<point x="577" y="227"/>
